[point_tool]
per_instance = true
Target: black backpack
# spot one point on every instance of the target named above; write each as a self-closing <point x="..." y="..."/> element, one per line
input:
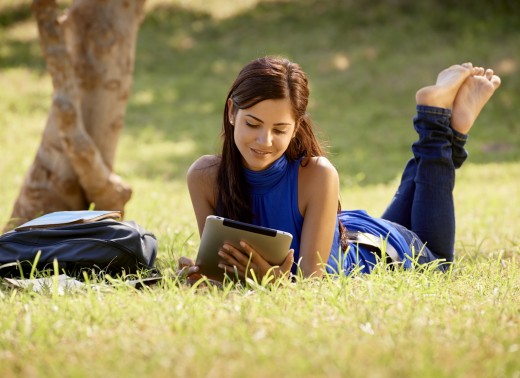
<point x="87" y="242"/>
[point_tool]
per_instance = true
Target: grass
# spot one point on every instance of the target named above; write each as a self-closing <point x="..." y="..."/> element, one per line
<point x="388" y="324"/>
<point x="365" y="64"/>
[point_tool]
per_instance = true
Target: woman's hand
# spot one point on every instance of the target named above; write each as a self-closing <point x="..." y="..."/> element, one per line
<point x="187" y="269"/>
<point x="247" y="261"/>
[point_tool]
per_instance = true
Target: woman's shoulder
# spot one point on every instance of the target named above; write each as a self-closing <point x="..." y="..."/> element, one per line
<point x="206" y="162"/>
<point x="205" y="166"/>
<point x="202" y="177"/>
<point x="318" y="187"/>
<point x="317" y="175"/>
<point x="318" y="167"/>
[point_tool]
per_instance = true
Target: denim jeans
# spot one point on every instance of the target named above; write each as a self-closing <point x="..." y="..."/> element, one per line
<point x="423" y="203"/>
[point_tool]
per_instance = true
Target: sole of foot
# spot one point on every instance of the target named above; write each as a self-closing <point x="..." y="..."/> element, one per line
<point x="442" y="94"/>
<point x="472" y="96"/>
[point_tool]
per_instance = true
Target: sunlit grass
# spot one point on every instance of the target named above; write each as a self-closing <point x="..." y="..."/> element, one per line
<point x="349" y="326"/>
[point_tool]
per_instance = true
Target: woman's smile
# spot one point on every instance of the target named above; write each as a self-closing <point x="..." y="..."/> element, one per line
<point x="260" y="152"/>
<point x="263" y="132"/>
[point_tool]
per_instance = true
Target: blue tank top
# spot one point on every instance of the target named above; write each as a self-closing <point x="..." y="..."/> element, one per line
<point x="274" y="196"/>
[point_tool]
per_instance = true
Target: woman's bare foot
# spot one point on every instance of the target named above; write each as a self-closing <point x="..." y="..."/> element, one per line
<point x="442" y="94"/>
<point x="471" y="98"/>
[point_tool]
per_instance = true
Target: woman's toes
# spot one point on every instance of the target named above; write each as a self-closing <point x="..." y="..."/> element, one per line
<point x="479" y="71"/>
<point x="495" y="80"/>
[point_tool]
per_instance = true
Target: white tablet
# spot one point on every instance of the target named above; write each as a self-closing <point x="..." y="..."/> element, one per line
<point x="272" y="244"/>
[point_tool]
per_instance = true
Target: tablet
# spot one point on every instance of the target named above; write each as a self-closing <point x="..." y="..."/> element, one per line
<point x="272" y="244"/>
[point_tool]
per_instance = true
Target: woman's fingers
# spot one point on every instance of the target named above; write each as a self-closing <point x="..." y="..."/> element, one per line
<point x="246" y="259"/>
<point x="232" y="270"/>
<point x="287" y="263"/>
<point x="236" y="261"/>
<point x="231" y="255"/>
<point x="252" y="253"/>
<point x="236" y="256"/>
<point x="189" y="271"/>
<point x="185" y="261"/>
<point x="232" y="261"/>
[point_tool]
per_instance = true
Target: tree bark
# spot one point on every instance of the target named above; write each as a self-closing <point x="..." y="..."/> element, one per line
<point x="89" y="54"/>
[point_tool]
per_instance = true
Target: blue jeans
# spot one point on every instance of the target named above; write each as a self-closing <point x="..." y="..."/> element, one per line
<point x="423" y="203"/>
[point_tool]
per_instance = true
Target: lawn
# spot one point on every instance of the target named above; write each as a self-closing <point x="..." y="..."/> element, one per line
<point x="365" y="62"/>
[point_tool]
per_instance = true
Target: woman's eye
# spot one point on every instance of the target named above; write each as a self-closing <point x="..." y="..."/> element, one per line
<point x="280" y="132"/>
<point x="251" y="124"/>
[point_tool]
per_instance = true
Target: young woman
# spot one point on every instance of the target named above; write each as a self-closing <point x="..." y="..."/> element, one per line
<point x="272" y="172"/>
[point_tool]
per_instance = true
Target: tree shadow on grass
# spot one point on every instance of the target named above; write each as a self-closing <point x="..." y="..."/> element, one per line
<point x="364" y="65"/>
<point x="11" y="14"/>
<point x="362" y="93"/>
<point x="18" y="53"/>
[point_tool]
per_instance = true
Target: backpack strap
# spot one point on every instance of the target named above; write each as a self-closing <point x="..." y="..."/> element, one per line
<point x="376" y="244"/>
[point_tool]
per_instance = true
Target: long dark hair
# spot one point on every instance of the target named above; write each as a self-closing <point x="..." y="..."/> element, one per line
<point x="268" y="78"/>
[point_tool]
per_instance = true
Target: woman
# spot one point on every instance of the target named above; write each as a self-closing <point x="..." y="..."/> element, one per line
<point x="273" y="172"/>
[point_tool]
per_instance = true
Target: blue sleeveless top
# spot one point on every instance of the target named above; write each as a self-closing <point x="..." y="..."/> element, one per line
<point x="274" y="196"/>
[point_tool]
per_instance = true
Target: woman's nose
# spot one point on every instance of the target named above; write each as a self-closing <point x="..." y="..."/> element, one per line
<point x="264" y="137"/>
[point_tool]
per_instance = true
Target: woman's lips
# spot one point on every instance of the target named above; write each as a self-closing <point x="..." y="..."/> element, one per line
<point x="260" y="152"/>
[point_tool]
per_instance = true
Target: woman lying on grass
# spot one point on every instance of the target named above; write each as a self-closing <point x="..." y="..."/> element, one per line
<point x="272" y="172"/>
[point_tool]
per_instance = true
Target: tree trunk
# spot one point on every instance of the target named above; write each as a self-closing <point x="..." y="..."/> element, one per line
<point x="89" y="54"/>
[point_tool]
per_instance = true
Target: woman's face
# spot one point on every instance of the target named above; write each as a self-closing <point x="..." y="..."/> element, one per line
<point x="263" y="132"/>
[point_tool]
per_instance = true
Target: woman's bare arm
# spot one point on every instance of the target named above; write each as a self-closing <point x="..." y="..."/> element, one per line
<point x="318" y="194"/>
<point x="202" y="179"/>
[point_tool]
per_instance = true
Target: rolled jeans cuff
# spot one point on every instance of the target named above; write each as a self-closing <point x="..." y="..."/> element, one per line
<point x="441" y="117"/>
<point x="433" y="110"/>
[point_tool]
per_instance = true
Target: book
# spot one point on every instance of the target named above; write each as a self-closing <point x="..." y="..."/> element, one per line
<point x="63" y="218"/>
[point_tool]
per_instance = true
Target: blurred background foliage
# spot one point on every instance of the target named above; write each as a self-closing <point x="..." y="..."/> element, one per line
<point x="365" y="60"/>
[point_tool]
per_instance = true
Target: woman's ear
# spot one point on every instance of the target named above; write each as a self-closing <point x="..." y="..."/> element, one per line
<point x="231" y="111"/>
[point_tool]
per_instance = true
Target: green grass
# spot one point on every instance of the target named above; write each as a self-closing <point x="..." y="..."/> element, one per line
<point x="365" y="62"/>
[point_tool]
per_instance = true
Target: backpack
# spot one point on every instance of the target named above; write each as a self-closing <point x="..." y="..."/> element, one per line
<point x="78" y="240"/>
